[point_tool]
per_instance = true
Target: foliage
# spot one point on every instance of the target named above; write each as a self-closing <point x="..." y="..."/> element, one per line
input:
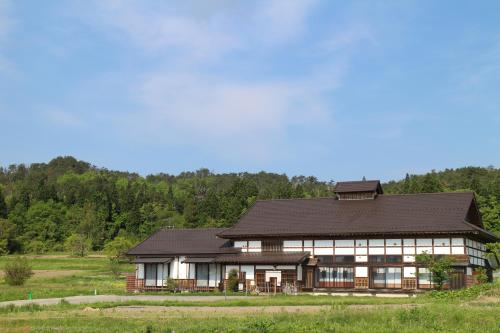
<point x="48" y="202"/>
<point x="172" y="285"/>
<point x="118" y="247"/>
<point x="481" y="276"/>
<point x="6" y="235"/>
<point x="17" y="271"/>
<point x="77" y="245"/>
<point x="494" y="251"/>
<point x="232" y="280"/>
<point x="440" y="267"/>
<point x="465" y="293"/>
<point x="114" y="266"/>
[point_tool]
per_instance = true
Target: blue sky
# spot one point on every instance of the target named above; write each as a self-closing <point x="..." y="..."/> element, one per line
<point x="334" y="89"/>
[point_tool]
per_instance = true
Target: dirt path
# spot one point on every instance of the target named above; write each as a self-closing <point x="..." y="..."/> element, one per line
<point x="117" y="298"/>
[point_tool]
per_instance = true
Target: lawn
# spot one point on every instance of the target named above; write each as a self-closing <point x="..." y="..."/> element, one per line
<point x="61" y="275"/>
<point x="437" y="316"/>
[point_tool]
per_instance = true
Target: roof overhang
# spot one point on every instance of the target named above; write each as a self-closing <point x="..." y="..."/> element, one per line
<point x="198" y="260"/>
<point x="152" y="260"/>
<point x="271" y="258"/>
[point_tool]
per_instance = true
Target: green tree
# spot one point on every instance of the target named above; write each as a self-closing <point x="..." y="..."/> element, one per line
<point x="78" y="245"/>
<point x="118" y="247"/>
<point x="440" y="267"/>
<point x="3" y="205"/>
<point x="7" y="233"/>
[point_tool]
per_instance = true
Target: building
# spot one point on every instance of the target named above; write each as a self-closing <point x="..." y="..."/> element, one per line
<point x="360" y="239"/>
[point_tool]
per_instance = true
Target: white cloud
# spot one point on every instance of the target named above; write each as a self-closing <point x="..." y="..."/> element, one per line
<point x="244" y="118"/>
<point x="281" y="20"/>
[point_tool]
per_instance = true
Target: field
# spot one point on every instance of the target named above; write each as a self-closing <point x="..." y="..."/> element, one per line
<point x="62" y="275"/>
<point x="473" y="310"/>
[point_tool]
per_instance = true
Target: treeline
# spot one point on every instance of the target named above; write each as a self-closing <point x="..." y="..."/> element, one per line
<point x="43" y="204"/>
<point x="485" y="182"/>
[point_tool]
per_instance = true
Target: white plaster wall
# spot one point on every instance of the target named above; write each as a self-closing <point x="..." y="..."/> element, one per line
<point x="248" y="269"/>
<point x="409" y="272"/>
<point x="361" y="258"/>
<point x="361" y="271"/>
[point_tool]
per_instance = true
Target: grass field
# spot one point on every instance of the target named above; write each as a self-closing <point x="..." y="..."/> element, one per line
<point x="471" y="310"/>
<point x="62" y="275"/>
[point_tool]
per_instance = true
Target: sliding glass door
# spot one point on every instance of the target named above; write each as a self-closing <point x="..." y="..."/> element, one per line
<point x="385" y="277"/>
<point x="335" y="277"/>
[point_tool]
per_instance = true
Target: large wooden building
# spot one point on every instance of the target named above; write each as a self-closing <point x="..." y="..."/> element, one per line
<point x="360" y="239"/>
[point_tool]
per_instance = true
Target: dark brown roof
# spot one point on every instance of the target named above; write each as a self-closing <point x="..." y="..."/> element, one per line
<point x="358" y="186"/>
<point x="182" y="242"/>
<point x="275" y="258"/>
<point x="386" y="214"/>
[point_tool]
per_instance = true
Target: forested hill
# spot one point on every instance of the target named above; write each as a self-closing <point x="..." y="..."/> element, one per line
<point x="42" y="204"/>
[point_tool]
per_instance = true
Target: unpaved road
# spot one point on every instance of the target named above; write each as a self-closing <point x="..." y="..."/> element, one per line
<point x="117" y="298"/>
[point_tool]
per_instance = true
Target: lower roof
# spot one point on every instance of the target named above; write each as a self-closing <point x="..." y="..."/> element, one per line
<point x="171" y="242"/>
<point x="274" y="258"/>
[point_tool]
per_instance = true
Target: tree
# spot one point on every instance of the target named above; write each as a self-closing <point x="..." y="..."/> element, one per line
<point x="6" y="236"/>
<point x="78" y="245"/>
<point x="3" y="205"/>
<point x="118" y="247"/>
<point x="17" y="271"/>
<point x="440" y="267"/>
<point x="232" y="280"/>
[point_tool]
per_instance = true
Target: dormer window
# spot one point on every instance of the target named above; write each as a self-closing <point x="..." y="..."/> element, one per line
<point x="358" y="190"/>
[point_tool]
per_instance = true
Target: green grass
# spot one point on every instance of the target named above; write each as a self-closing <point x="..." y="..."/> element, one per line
<point x="90" y="273"/>
<point x="450" y="317"/>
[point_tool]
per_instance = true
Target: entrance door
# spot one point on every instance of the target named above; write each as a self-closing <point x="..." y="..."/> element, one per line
<point x="309" y="278"/>
<point x="457" y="280"/>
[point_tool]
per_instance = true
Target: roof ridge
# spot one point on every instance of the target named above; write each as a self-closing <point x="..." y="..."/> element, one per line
<point x="380" y="195"/>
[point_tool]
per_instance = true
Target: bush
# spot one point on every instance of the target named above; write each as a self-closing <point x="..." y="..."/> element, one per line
<point x="172" y="285"/>
<point x="114" y="266"/>
<point x="232" y="280"/>
<point x="481" y="276"/>
<point x="17" y="271"/>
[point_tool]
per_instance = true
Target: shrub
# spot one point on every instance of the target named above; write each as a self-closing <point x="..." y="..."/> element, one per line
<point x="17" y="271"/>
<point x="440" y="267"/>
<point x="114" y="266"/>
<point x="172" y="285"/>
<point x="481" y="276"/>
<point x="232" y="280"/>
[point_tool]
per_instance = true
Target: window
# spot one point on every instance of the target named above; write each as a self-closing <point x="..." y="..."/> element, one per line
<point x="202" y="275"/>
<point x="424" y="278"/>
<point x="386" y="277"/>
<point x="324" y="260"/>
<point x="377" y="259"/>
<point x="393" y="259"/>
<point x="344" y="259"/>
<point x="272" y="245"/>
<point x="335" y="277"/>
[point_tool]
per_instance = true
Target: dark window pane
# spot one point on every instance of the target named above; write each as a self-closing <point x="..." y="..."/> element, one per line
<point x="344" y="259"/>
<point x="325" y="259"/>
<point x="393" y="259"/>
<point x="378" y="259"/>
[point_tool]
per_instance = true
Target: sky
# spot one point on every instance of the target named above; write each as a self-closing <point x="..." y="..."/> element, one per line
<point x="334" y="89"/>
